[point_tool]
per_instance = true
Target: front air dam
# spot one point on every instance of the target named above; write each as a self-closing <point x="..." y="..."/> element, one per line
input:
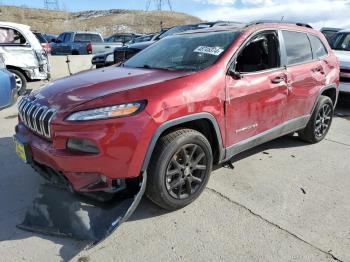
<point x="57" y="211"/>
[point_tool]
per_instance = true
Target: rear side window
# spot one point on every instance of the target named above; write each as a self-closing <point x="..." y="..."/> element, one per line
<point x="297" y="46"/>
<point x="318" y="48"/>
<point x="11" y="37"/>
<point x="87" y="38"/>
<point x="342" y="42"/>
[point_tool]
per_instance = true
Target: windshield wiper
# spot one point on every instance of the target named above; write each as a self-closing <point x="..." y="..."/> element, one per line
<point x="146" y="66"/>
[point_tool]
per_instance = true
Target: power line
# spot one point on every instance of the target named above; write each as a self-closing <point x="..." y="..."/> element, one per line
<point x="158" y="4"/>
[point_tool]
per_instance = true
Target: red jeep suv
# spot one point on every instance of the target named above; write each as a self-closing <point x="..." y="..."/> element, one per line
<point x="186" y="103"/>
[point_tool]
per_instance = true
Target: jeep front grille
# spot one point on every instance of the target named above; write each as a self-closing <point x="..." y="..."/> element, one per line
<point x="36" y="117"/>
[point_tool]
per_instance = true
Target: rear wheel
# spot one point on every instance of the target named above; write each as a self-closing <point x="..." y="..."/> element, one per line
<point x="320" y="121"/>
<point x="21" y="81"/>
<point x="180" y="169"/>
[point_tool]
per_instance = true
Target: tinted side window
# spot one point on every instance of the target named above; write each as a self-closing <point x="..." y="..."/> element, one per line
<point x="87" y="38"/>
<point x="96" y="39"/>
<point x="298" y="47"/>
<point x="261" y="53"/>
<point x="118" y="38"/>
<point x="66" y="37"/>
<point x="60" y="38"/>
<point x="127" y="38"/>
<point x="317" y="47"/>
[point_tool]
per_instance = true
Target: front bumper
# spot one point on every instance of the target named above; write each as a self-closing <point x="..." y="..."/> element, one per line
<point x="122" y="149"/>
<point x="38" y="73"/>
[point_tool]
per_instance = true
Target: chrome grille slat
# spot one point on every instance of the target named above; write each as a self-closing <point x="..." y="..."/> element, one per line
<point x="36" y="117"/>
<point x="25" y="110"/>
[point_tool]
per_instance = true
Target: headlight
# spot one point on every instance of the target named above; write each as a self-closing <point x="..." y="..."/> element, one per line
<point x="110" y="58"/>
<point x="108" y="112"/>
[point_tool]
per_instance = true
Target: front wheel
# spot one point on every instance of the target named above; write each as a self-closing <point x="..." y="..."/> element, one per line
<point x="320" y="121"/>
<point x="180" y="168"/>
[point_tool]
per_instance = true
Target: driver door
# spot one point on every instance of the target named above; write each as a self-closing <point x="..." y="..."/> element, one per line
<point x="256" y="90"/>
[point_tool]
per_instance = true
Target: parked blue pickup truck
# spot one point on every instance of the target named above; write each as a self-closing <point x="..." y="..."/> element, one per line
<point x="81" y="43"/>
<point x="8" y="90"/>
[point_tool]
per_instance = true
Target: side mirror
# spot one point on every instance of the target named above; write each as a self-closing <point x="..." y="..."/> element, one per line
<point x="234" y="74"/>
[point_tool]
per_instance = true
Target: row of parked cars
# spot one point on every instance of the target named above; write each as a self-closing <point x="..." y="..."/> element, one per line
<point x="84" y="42"/>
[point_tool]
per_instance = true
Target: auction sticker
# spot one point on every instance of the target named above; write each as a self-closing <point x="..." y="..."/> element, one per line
<point x="209" y="50"/>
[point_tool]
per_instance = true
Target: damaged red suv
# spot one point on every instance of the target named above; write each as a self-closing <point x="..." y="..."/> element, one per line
<point x="179" y="107"/>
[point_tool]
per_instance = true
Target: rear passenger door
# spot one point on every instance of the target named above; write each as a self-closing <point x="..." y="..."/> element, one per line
<point x="306" y="74"/>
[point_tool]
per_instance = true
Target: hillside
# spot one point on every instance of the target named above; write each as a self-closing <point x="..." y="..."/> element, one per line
<point x="105" y="22"/>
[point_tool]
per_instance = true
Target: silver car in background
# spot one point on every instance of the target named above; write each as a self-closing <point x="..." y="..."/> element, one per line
<point x="23" y="54"/>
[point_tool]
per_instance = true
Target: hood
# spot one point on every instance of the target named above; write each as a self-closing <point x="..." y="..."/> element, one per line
<point x="344" y="57"/>
<point x="67" y="93"/>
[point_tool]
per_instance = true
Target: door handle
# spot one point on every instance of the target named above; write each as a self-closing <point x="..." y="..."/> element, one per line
<point x="277" y="80"/>
<point x="107" y="46"/>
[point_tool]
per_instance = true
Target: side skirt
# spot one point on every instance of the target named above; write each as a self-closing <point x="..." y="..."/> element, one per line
<point x="278" y="131"/>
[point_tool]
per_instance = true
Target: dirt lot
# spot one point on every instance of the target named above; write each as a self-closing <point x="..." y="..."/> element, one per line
<point x="284" y="201"/>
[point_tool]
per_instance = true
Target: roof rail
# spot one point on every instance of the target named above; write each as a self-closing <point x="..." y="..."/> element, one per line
<point x="256" y="22"/>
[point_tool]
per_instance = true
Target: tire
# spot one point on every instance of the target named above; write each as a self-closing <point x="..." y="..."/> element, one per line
<point x="75" y="52"/>
<point x="320" y="121"/>
<point x="21" y="81"/>
<point x="186" y="179"/>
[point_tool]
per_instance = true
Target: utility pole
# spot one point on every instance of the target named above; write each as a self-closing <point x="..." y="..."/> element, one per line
<point x="51" y="4"/>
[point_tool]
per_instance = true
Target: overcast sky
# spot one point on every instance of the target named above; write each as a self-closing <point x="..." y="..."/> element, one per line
<point x="318" y="13"/>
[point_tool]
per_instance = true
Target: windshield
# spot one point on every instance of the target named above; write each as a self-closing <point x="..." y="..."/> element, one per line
<point x="192" y="52"/>
<point x="342" y="42"/>
<point x="179" y="29"/>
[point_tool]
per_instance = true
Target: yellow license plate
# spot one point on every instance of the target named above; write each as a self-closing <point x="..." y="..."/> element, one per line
<point x="20" y="150"/>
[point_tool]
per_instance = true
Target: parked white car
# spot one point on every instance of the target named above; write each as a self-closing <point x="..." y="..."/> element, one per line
<point x="341" y="46"/>
<point x="23" y="54"/>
